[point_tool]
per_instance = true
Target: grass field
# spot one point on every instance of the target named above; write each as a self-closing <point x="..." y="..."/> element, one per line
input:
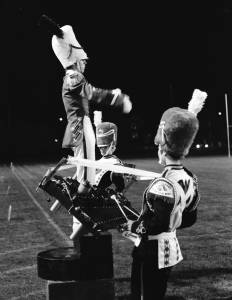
<point x="205" y="273"/>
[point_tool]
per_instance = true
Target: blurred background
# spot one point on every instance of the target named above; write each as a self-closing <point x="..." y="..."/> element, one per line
<point x="157" y="53"/>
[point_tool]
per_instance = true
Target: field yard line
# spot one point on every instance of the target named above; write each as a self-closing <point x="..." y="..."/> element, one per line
<point x="2" y="178"/>
<point x="18" y="269"/>
<point x="24" y="249"/>
<point x="25" y="296"/>
<point x="203" y="235"/>
<point x="23" y="170"/>
<point x="25" y="234"/>
<point x="15" y="223"/>
<point x="54" y="225"/>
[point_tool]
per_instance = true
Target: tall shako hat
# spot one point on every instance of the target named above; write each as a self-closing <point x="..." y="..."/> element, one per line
<point x="67" y="49"/>
<point x="64" y="43"/>
<point x="178" y="127"/>
<point x="106" y="133"/>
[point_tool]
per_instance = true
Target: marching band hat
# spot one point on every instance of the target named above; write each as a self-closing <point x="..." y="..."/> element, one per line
<point x="64" y="43"/>
<point x="67" y="49"/>
<point x="106" y="133"/>
<point x="178" y="127"/>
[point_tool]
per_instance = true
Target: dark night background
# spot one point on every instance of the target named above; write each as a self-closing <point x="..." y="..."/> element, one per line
<point x="157" y="53"/>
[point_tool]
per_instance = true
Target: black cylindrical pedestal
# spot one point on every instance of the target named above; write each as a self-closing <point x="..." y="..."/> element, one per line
<point x="82" y="275"/>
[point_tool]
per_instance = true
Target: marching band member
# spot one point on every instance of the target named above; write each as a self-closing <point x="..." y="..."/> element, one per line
<point x="79" y="95"/>
<point x="170" y="202"/>
<point x="106" y="140"/>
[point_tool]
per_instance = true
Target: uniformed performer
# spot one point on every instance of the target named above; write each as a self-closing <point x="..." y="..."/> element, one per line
<point x="170" y="202"/>
<point x="79" y="95"/>
<point x="106" y="140"/>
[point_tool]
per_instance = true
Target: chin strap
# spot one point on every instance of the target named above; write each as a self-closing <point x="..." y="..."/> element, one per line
<point x="161" y="155"/>
<point x="109" y="150"/>
<point x="161" y="126"/>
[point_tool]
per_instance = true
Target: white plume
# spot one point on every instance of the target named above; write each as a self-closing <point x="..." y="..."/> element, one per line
<point x="97" y="117"/>
<point x="197" y="102"/>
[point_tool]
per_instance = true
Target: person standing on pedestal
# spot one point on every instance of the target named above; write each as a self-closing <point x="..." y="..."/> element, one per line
<point x="78" y="96"/>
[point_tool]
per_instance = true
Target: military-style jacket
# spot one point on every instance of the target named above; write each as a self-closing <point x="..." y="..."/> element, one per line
<point x="105" y="178"/>
<point x="77" y="96"/>
<point x="170" y="202"/>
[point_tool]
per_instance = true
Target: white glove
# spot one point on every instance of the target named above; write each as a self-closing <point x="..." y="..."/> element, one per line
<point x="127" y="105"/>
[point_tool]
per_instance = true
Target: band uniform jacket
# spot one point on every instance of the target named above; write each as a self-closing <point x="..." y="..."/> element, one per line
<point x="105" y="178"/>
<point x="170" y="202"/>
<point x="77" y="96"/>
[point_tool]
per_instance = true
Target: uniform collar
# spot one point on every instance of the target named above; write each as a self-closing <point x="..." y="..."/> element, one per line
<point x="108" y="156"/>
<point x="174" y="166"/>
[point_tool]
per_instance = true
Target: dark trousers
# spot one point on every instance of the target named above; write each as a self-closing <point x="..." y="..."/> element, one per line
<point x="146" y="279"/>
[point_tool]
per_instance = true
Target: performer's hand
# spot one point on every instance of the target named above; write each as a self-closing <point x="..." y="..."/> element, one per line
<point x="127" y="105"/>
<point x="129" y="177"/>
<point x="127" y="226"/>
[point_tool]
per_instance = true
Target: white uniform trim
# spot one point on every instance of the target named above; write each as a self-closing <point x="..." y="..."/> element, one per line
<point x="162" y="235"/>
<point x="116" y="93"/>
<point x="169" y="253"/>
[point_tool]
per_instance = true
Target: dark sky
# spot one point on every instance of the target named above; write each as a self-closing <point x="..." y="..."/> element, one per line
<point x="157" y="53"/>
